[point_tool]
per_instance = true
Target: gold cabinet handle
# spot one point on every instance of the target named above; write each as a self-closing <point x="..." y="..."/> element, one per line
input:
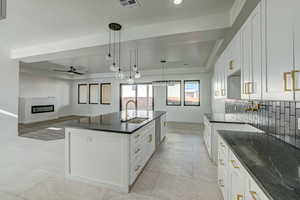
<point x="253" y="195"/>
<point x="137" y="168"/>
<point x="286" y="76"/>
<point x="231" y="65"/>
<point x="246" y="88"/>
<point x="239" y="197"/>
<point x="294" y="79"/>
<point x="221" y="184"/>
<point x="138" y="150"/>
<point x="150" y="139"/>
<point x="234" y="164"/>
<point x="221" y="162"/>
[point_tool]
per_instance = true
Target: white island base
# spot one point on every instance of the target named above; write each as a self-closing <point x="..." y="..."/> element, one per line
<point x="108" y="159"/>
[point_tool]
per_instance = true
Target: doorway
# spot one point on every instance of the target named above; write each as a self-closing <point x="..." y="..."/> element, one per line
<point x="142" y="93"/>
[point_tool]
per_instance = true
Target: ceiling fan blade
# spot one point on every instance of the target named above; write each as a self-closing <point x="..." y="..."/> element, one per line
<point x="78" y="73"/>
<point x="58" y="70"/>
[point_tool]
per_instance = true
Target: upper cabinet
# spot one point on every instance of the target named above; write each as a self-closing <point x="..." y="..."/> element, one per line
<point x="277" y="71"/>
<point x="266" y="54"/>
<point x="296" y="37"/>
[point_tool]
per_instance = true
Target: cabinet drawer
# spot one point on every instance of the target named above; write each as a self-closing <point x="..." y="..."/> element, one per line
<point x="223" y="148"/>
<point x="234" y="163"/>
<point x="253" y="191"/>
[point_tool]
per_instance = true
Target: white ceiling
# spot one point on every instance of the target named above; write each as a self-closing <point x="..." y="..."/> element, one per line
<point x="33" y="22"/>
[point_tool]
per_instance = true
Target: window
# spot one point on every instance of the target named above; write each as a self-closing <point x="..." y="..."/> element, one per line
<point x="82" y="93"/>
<point x="105" y="93"/>
<point x="141" y="93"/>
<point x="174" y="94"/>
<point x="93" y="93"/>
<point x="192" y="93"/>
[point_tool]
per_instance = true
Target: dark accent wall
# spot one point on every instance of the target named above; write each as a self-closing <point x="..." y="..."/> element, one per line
<point x="277" y="118"/>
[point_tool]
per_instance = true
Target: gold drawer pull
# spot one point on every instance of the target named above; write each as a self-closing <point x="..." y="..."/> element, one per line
<point x="137" y="136"/>
<point x="137" y="168"/>
<point x="234" y="164"/>
<point x="239" y="197"/>
<point x="221" y="183"/>
<point x="286" y="76"/>
<point x="253" y="195"/>
<point x="138" y="150"/>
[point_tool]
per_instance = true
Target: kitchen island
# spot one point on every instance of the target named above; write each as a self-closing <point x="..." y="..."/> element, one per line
<point x="111" y="150"/>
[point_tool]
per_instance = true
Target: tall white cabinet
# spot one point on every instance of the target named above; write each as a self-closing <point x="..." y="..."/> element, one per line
<point x="277" y="73"/>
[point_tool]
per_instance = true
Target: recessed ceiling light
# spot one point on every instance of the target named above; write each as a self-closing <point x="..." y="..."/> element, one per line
<point x="177" y="2"/>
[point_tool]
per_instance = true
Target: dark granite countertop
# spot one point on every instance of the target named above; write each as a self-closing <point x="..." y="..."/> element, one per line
<point x="224" y="118"/>
<point x="114" y="122"/>
<point x="273" y="164"/>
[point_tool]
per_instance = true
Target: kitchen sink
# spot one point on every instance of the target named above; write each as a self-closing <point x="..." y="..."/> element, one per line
<point x="136" y="120"/>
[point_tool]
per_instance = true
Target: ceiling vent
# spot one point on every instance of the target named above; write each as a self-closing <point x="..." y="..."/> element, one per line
<point x="2" y="9"/>
<point x="129" y="3"/>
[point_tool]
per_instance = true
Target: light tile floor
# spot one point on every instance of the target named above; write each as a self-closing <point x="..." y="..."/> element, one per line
<point x="179" y="170"/>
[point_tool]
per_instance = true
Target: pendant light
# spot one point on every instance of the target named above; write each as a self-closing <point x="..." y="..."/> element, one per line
<point x="120" y="75"/>
<point x="137" y="74"/>
<point x="163" y="82"/>
<point x="130" y="79"/>
<point x="114" y="28"/>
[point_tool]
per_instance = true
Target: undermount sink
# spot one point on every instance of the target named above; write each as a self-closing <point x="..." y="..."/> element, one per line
<point x="136" y="120"/>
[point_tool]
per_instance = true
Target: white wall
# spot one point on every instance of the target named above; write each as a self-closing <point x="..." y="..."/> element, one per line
<point x="9" y="87"/>
<point x="175" y="113"/>
<point x="41" y="86"/>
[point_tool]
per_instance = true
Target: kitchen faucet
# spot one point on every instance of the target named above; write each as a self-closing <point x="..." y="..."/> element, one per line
<point x="126" y="107"/>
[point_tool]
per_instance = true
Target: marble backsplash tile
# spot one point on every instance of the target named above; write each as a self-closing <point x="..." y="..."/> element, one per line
<point x="277" y="118"/>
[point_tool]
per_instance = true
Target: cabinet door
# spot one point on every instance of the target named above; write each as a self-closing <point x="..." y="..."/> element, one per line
<point x="256" y="64"/>
<point x="246" y="59"/>
<point x="296" y="36"/>
<point x="236" y="182"/>
<point x="279" y="50"/>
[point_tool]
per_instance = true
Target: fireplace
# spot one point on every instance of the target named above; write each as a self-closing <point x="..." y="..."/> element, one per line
<point x="42" y="109"/>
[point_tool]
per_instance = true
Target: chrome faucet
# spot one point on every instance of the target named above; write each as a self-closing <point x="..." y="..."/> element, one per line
<point x="126" y="107"/>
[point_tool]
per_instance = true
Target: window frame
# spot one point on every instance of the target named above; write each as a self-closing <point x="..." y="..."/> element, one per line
<point x="184" y="99"/>
<point x="91" y="84"/>
<point x="101" y="102"/>
<point x="78" y="97"/>
<point x="180" y="102"/>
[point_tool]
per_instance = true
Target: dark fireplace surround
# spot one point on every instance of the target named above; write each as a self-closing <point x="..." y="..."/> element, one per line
<point x="36" y="109"/>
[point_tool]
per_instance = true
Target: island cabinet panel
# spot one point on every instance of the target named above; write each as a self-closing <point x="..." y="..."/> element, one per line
<point x="98" y="157"/>
<point x="163" y="128"/>
<point x="108" y="159"/>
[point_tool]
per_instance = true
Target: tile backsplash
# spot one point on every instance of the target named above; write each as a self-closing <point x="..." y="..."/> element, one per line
<point x="277" y="118"/>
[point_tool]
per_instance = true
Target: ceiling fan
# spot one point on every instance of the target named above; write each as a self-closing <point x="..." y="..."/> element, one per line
<point x="72" y="70"/>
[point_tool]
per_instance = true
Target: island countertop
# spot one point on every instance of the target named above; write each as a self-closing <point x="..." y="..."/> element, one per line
<point x="115" y="122"/>
<point x="225" y="118"/>
<point x="274" y="164"/>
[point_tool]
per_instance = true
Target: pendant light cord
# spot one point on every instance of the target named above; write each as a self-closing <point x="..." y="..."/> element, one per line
<point x="109" y="45"/>
<point x="114" y="61"/>
<point x="120" y="50"/>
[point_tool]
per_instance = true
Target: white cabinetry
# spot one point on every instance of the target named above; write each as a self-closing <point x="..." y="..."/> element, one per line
<point x="279" y="50"/>
<point x="108" y="159"/>
<point x="234" y="181"/>
<point x="163" y="128"/>
<point x="251" y="71"/>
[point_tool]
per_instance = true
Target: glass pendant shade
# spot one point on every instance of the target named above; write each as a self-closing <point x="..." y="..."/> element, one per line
<point x="135" y="68"/>
<point x="137" y="75"/>
<point x="113" y="67"/>
<point x="130" y="80"/>
<point x="108" y="57"/>
<point x="120" y="75"/>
